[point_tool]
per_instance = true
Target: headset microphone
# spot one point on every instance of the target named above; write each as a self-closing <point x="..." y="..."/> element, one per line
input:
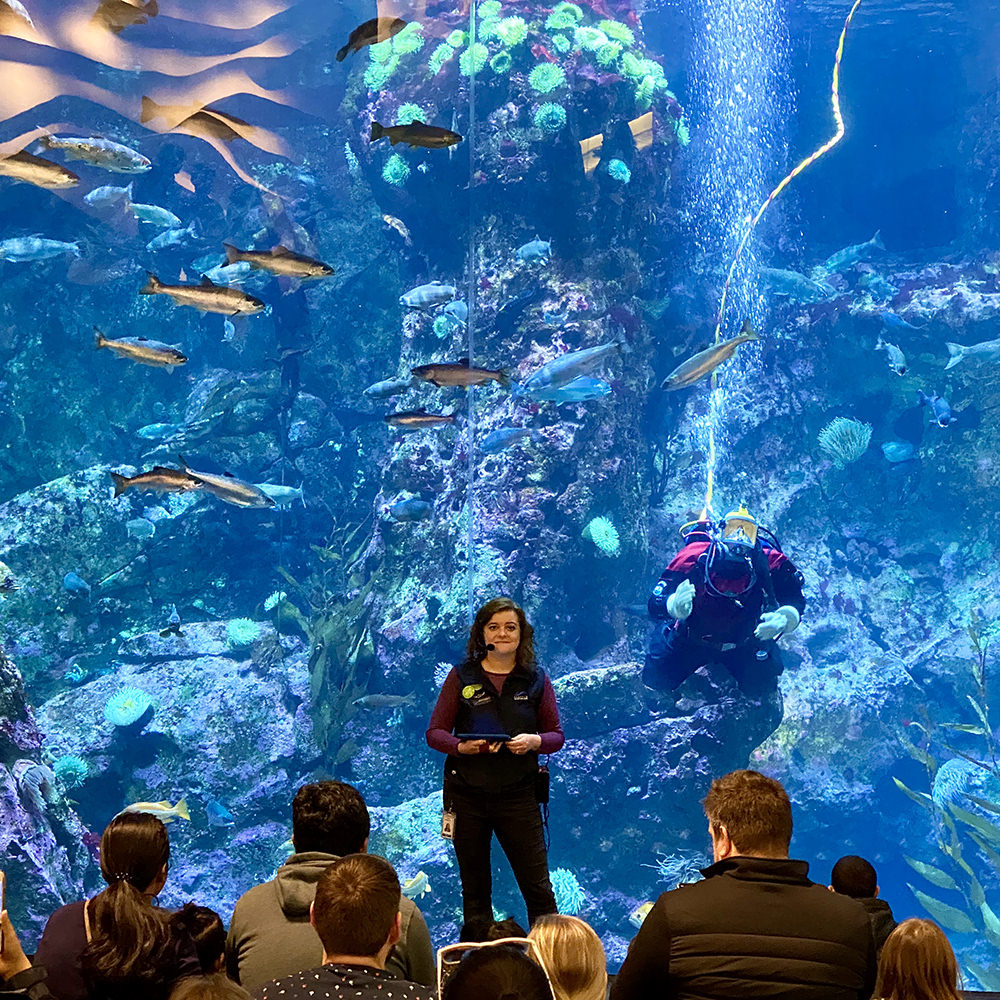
<point x="490" y="646"/>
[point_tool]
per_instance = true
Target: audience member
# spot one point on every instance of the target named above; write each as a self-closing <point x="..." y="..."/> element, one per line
<point x="118" y="945"/>
<point x="208" y="933"/>
<point x="215" y="986"/>
<point x="573" y="955"/>
<point x="853" y="876"/>
<point x="269" y="935"/>
<point x="497" y="972"/>
<point x="356" y="915"/>
<point x="917" y="963"/>
<point x="484" y="929"/>
<point x="17" y="976"/>
<point x="755" y="926"/>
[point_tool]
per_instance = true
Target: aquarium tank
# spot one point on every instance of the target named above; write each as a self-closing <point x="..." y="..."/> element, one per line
<point x="313" y="342"/>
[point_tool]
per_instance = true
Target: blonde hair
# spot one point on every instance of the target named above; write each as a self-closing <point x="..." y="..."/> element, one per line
<point x="917" y="963"/>
<point x="573" y="955"/>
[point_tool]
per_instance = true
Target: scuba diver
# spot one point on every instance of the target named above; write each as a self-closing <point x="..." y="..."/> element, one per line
<point x="725" y="598"/>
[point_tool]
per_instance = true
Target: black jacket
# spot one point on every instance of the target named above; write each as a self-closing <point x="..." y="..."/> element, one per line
<point x="755" y="927"/>
<point x="881" y="918"/>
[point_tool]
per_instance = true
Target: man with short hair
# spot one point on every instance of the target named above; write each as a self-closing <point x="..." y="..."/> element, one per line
<point x="855" y="877"/>
<point x="356" y="916"/>
<point x="270" y="934"/>
<point x="755" y="926"/>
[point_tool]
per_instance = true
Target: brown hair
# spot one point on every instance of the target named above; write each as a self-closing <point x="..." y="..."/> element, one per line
<point x="476" y="648"/>
<point x="755" y="811"/>
<point x="214" y="987"/>
<point x="357" y="899"/>
<point x="917" y="963"/>
<point x="573" y="955"/>
<point x="132" y="943"/>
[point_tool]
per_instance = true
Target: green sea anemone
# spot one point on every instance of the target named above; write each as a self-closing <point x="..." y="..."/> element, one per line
<point x="550" y="117"/>
<point x="546" y="77"/>
<point x="632" y="66"/>
<point x="126" y="706"/>
<point x="396" y="171"/>
<point x="512" y="31"/>
<point x="488" y="9"/>
<point x="644" y="93"/>
<point x="443" y="325"/>
<point x="409" y="39"/>
<point x="501" y="63"/>
<point x="409" y="112"/>
<point x="564" y="15"/>
<point x="241" y="633"/>
<point x="273" y="600"/>
<point x="589" y="39"/>
<point x="561" y="44"/>
<point x="604" y="535"/>
<point x="70" y="771"/>
<point x="488" y="29"/>
<point x="618" y="170"/>
<point x="608" y="53"/>
<point x="439" y="57"/>
<point x="380" y="53"/>
<point x="618" y="31"/>
<point x="456" y="39"/>
<point x="377" y="75"/>
<point x="681" y="131"/>
<point x="473" y="59"/>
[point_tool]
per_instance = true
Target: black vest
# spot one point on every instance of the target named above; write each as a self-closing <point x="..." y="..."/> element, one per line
<point x="483" y="709"/>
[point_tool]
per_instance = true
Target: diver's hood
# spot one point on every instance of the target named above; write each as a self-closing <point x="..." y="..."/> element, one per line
<point x="296" y="881"/>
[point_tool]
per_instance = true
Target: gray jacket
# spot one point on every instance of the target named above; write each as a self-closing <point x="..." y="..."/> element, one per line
<point x="270" y="935"/>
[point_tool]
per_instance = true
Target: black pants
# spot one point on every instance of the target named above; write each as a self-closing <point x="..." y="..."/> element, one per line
<point x="516" y="820"/>
<point x="671" y="659"/>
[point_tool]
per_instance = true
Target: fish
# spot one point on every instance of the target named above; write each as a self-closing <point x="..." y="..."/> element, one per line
<point x="892" y="321"/>
<point x="843" y="259"/>
<point x="378" y="29"/>
<point x="27" y="248"/>
<point x="229" y="274"/>
<point x="283" y="496"/>
<point x="460" y="373"/>
<point x="940" y="408"/>
<point x="206" y="296"/>
<point x="986" y="350"/>
<point x="140" y="527"/>
<point x="389" y="387"/>
<point x="413" y="509"/>
<point x="156" y="216"/>
<point x="639" y="914"/>
<point x="109" y="196"/>
<point x="281" y="261"/>
<point x="117" y="15"/>
<point x="73" y="583"/>
<point x="143" y="351"/>
<point x="427" y="296"/>
<point x="416" y="887"/>
<point x="582" y="388"/>
<point x="31" y="169"/>
<point x="159" y="479"/>
<point x="163" y="811"/>
<point x="228" y="488"/>
<point x="173" y="237"/>
<point x="399" y="226"/>
<point x="173" y="624"/>
<point x="562" y="370"/>
<point x="795" y="285"/>
<point x="879" y="287"/>
<point x="417" y="133"/>
<point x="159" y="432"/>
<point x="218" y="814"/>
<point x="895" y="357"/>
<point x="384" y="701"/>
<point x="418" y="419"/>
<point x="503" y="437"/>
<point x="535" y="250"/>
<point x="898" y="451"/>
<point x="101" y="153"/>
<point x="705" y="362"/>
<point x="457" y="311"/>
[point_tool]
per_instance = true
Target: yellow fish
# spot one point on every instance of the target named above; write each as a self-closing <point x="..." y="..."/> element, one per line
<point x="163" y="811"/>
<point x="639" y="914"/>
<point x="418" y="886"/>
<point x="705" y="362"/>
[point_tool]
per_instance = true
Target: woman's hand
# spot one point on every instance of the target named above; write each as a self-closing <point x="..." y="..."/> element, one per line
<point x="478" y="746"/>
<point x="12" y="958"/>
<point x="524" y="743"/>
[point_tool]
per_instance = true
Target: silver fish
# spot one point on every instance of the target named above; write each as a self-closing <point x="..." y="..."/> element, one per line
<point x="427" y="296"/>
<point x="156" y="216"/>
<point x="562" y="370"/>
<point x="228" y="488"/>
<point x="26" y="248"/>
<point x="100" y="153"/>
<point x="986" y="350"/>
<point x="895" y="357"/>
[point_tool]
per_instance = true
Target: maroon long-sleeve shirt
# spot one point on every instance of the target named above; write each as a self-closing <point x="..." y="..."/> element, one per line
<point x="440" y="730"/>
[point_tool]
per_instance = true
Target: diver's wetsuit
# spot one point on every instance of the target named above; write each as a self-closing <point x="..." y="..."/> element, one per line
<point x="720" y="628"/>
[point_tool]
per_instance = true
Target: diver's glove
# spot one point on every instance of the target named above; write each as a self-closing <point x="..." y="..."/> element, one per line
<point x="681" y="601"/>
<point x="781" y="621"/>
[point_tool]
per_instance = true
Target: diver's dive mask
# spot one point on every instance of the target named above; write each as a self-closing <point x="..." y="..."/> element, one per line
<point x="739" y="528"/>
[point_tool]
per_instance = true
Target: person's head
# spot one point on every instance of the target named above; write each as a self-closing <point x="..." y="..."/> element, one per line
<point x="213" y="987"/>
<point x="748" y="814"/>
<point x="573" y="955"/>
<point x="855" y="877"/>
<point x="135" y="849"/>
<point x="917" y="963"/>
<point x="497" y="973"/>
<point x="487" y="929"/>
<point x="330" y="817"/>
<point x="356" y="909"/>
<point x="208" y="933"/>
<point x="502" y="623"/>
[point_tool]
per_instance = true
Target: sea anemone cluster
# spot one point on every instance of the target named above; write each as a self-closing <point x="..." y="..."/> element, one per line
<point x="604" y="535"/>
<point x="242" y="632"/>
<point x="845" y="440"/>
<point x="567" y="890"/>
<point x="126" y="706"/>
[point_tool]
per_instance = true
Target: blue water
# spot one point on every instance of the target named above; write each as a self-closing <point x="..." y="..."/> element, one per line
<point x="365" y="583"/>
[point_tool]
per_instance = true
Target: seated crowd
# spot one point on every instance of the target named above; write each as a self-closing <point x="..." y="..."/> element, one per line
<point x="333" y="923"/>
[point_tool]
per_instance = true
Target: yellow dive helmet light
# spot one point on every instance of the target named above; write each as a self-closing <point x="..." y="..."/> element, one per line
<point x="740" y="527"/>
